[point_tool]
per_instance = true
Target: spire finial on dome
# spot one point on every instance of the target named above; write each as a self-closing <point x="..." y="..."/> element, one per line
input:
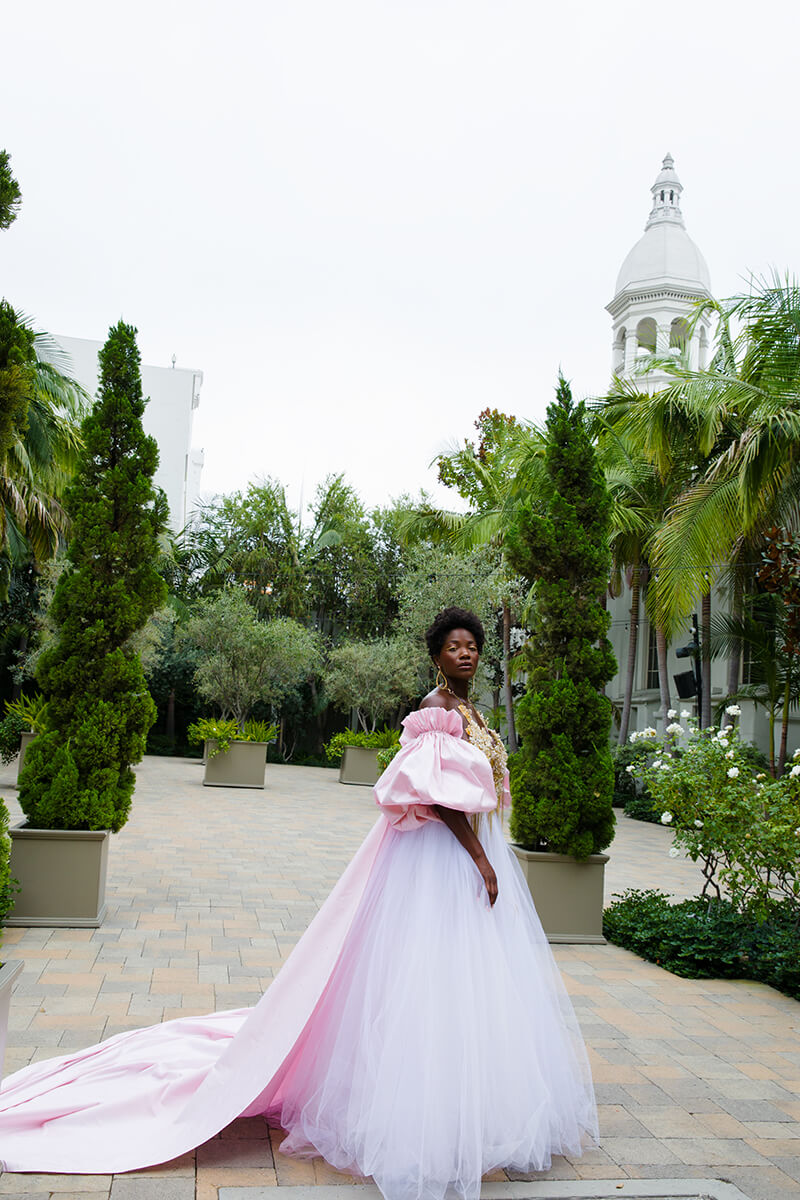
<point x="666" y="195"/>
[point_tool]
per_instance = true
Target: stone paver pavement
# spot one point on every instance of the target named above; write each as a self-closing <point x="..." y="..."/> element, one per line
<point x="210" y="888"/>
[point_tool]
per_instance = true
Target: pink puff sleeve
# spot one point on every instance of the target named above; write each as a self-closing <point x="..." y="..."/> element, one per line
<point x="434" y="766"/>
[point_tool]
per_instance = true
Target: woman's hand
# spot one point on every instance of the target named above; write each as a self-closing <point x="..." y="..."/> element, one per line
<point x="489" y="878"/>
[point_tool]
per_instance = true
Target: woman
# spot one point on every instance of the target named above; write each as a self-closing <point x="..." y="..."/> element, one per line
<point x="419" y="1031"/>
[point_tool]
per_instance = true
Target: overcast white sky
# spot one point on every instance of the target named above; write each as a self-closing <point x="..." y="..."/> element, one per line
<point x="366" y="221"/>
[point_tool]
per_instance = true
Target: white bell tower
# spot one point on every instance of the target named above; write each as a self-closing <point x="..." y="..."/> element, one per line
<point x="659" y="282"/>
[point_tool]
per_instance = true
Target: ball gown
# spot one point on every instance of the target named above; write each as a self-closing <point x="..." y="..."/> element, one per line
<point x="415" y="1033"/>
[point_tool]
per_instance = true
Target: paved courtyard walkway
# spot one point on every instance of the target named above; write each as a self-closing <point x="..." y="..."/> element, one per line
<point x="210" y="888"/>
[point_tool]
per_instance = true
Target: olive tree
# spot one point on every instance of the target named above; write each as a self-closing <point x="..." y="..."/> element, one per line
<point x="373" y="677"/>
<point x="243" y="661"/>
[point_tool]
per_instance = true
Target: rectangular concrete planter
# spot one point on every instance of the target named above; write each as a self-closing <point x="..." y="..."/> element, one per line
<point x="567" y="893"/>
<point x="25" y="740"/>
<point x="62" y="873"/>
<point x="359" y="765"/>
<point x="241" y="766"/>
<point x="8" y="973"/>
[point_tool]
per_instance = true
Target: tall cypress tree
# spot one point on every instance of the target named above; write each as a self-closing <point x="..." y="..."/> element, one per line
<point x="562" y="779"/>
<point x="77" y="774"/>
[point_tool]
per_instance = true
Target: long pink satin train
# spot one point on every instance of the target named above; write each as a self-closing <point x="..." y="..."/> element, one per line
<point x="147" y="1096"/>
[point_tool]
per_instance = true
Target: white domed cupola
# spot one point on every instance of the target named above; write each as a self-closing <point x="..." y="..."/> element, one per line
<point x="661" y="279"/>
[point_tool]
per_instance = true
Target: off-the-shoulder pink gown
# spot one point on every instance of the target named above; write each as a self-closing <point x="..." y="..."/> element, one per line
<point x="415" y="1033"/>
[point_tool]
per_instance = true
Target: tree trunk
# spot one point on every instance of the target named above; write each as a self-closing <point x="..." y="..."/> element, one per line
<point x="705" y="658"/>
<point x="512" y="729"/>
<point x="663" y="677"/>
<point x="735" y="658"/>
<point x="787" y="691"/>
<point x="169" y="722"/>
<point x="630" y="667"/>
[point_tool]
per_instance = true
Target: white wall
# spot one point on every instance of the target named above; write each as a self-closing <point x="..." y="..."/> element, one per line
<point x="174" y="394"/>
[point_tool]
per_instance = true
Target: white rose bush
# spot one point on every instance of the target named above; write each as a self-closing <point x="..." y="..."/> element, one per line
<point x="740" y="825"/>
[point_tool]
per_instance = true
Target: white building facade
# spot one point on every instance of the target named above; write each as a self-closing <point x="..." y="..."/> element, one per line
<point x="174" y="394"/>
<point x="658" y="285"/>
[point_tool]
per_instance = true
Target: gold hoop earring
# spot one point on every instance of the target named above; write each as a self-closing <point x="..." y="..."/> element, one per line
<point x="441" y="680"/>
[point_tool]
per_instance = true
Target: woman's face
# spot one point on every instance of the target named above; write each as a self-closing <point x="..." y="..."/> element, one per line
<point x="458" y="657"/>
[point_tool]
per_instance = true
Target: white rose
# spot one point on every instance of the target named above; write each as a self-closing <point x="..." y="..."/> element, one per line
<point x="733" y="710"/>
<point x="723" y="741"/>
<point x="630" y="769"/>
<point x="796" y="755"/>
<point x="666" y="817"/>
<point x="699" y="824"/>
<point x="730" y="754"/>
<point x="761" y="775"/>
<point x="675" y="728"/>
<point x="733" y="772"/>
<point x="795" y="769"/>
<point x="674" y="851"/>
<point x="671" y="714"/>
<point x="656" y="762"/>
<point x="665" y="766"/>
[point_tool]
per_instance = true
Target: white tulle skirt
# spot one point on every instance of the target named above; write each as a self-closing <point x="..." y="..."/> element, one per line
<point x="445" y="1044"/>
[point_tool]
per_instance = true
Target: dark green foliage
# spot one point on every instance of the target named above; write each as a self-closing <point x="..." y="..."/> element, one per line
<point x="624" y="756"/>
<point x="77" y="773"/>
<point x="8" y="885"/>
<point x="10" y="195"/>
<point x="11" y="728"/>
<point x="377" y="739"/>
<point x="642" y="807"/>
<point x="562" y="780"/>
<point x="16" y="358"/>
<point x="703" y="939"/>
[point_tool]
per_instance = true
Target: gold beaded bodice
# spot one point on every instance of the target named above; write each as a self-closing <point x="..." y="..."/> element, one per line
<point x="490" y="743"/>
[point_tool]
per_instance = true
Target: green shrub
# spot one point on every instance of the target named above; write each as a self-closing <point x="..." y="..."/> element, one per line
<point x="223" y="732"/>
<point x="740" y="825"/>
<point x="643" y="807"/>
<point x="698" y="938"/>
<point x="77" y="772"/>
<point x="562" y="780"/>
<point x="8" y="885"/>
<point x="626" y="788"/>
<point x="379" y="739"/>
<point x="386" y="755"/>
<point x="11" y="729"/>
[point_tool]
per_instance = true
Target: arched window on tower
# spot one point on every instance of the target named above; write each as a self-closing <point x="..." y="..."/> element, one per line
<point x="618" y="364"/>
<point x="672" y="197"/>
<point x="678" y="336"/>
<point x="646" y="336"/>
<point x="703" y="355"/>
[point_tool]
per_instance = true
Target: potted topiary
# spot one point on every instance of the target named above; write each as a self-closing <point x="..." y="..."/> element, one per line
<point x="76" y="785"/>
<point x="8" y="970"/>
<point x="362" y="756"/>
<point x="562" y="779"/>
<point x="244" y="661"/>
<point x="233" y="756"/>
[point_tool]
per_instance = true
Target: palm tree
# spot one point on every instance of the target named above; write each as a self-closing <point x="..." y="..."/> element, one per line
<point x="639" y="499"/>
<point x="649" y="444"/>
<point x="746" y="410"/>
<point x="39" y="442"/>
<point x="774" y="671"/>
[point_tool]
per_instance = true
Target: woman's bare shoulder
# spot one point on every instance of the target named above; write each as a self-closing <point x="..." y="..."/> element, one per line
<point x="438" y="699"/>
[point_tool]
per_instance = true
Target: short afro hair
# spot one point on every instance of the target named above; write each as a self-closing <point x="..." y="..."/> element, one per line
<point x="449" y="619"/>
